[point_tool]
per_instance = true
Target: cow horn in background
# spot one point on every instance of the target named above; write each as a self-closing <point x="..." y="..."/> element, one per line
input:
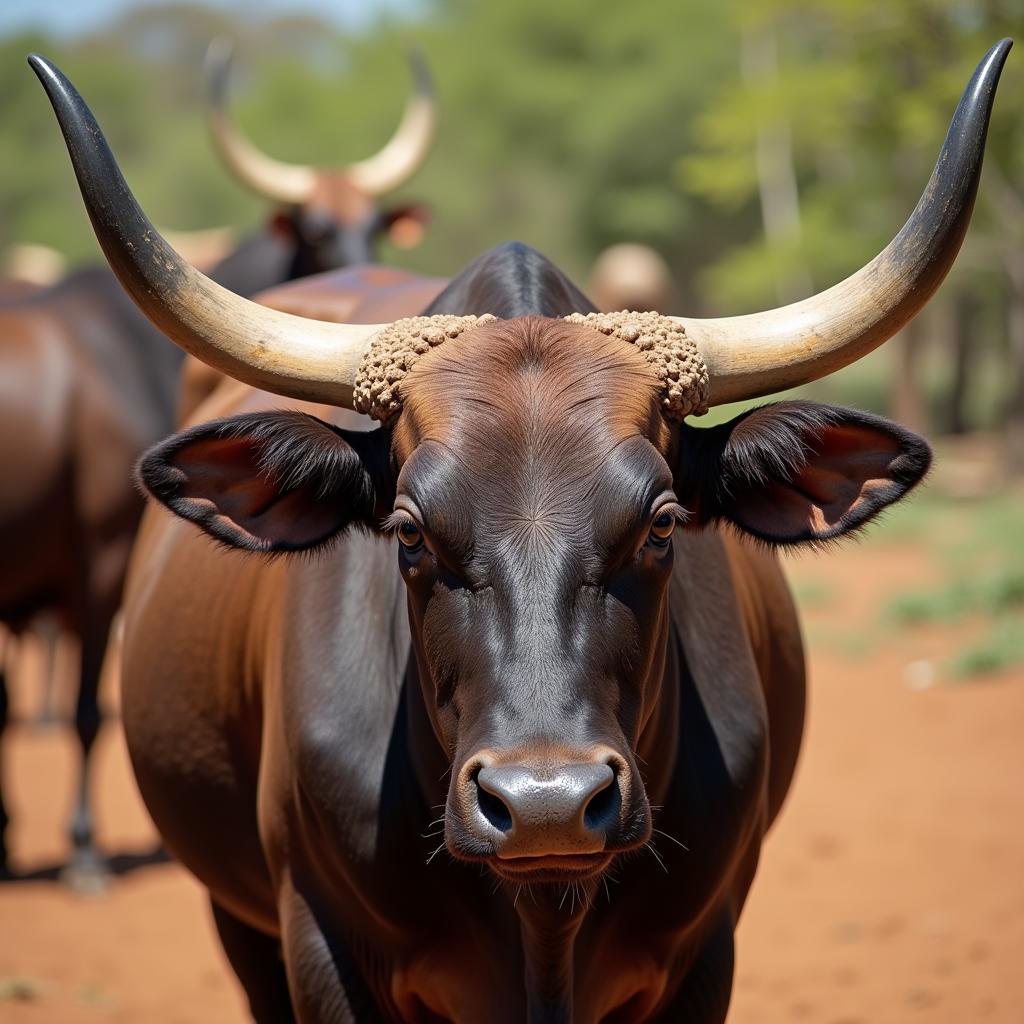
<point x="403" y="155"/>
<point x="284" y="183"/>
<point x="277" y="352"/>
<point x="390" y="168"/>
<point x="759" y="354"/>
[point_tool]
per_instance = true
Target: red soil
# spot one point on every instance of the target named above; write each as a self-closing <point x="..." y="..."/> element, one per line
<point x="890" y="890"/>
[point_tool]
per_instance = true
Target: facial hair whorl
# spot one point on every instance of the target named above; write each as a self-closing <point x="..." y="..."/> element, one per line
<point x="661" y="341"/>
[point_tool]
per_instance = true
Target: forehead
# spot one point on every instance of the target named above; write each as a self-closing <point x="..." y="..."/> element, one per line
<point x="529" y="382"/>
<point x="531" y="422"/>
<point x="338" y="198"/>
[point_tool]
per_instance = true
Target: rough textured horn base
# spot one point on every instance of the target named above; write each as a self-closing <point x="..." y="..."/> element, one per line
<point x="394" y="352"/>
<point x="665" y="345"/>
<point x="662" y="342"/>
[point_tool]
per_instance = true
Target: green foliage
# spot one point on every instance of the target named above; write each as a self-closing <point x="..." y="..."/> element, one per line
<point x="862" y="94"/>
<point x="982" y="544"/>
<point x="1001" y="648"/>
<point x="570" y="125"/>
<point x="813" y="594"/>
<point x="560" y="124"/>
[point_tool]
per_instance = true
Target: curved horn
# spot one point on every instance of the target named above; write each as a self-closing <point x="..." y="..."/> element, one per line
<point x="408" y="148"/>
<point x="288" y="355"/>
<point x="762" y="353"/>
<point x="284" y="183"/>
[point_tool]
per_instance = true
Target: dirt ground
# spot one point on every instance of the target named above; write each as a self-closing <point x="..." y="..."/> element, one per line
<point x="891" y="889"/>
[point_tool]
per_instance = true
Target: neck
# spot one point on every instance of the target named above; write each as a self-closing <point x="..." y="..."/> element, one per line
<point x="549" y="920"/>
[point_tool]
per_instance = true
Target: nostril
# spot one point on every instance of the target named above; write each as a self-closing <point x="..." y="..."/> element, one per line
<point x="602" y="811"/>
<point x="493" y="808"/>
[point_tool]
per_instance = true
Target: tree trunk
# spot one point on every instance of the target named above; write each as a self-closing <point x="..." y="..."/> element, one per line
<point x="776" y="176"/>
<point x="906" y="401"/>
<point x="964" y="308"/>
<point x="1015" y="334"/>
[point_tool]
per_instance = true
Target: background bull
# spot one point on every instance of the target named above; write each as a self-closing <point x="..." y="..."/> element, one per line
<point x="88" y="383"/>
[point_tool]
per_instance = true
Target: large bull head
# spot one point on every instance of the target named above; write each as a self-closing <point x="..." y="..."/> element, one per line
<point x="330" y="215"/>
<point x="533" y="470"/>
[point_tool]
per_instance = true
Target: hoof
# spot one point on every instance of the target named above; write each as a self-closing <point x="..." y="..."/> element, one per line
<point x="86" y="874"/>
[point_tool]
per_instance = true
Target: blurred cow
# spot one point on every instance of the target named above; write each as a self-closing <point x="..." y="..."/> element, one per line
<point x="630" y="276"/>
<point x="87" y="383"/>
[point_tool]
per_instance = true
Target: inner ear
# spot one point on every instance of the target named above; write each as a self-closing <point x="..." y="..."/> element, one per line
<point x="406" y="226"/>
<point x="798" y="471"/>
<point x="281" y="224"/>
<point x="270" y="482"/>
<point x="847" y="475"/>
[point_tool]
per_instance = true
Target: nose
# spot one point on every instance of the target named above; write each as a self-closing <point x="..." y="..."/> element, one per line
<point x="531" y="812"/>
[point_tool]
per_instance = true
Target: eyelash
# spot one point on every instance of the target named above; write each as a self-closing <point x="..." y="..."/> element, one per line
<point x="679" y="515"/>
<point x="395" y="522"/>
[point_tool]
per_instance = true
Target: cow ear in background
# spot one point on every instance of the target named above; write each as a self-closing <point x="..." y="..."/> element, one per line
<point x="270" y="482"/>
<point x="797" y="472"/>
<point x="405" y="226"/>
<point x="281" y="226"/>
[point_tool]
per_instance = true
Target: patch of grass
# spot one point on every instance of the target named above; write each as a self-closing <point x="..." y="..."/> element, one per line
<point x="991" y="594"/>
<point x="981" y="545"/>
<point x="1002" y="591"/>
<point x="913" y="518"/>
<point x="19" y="990"/>
<point x="917" y="607"/>
<point x="847" y="643"/>
<point x="96" y="997"/>
<point x="1001" y="648"/>
<point x="814" y="593"/>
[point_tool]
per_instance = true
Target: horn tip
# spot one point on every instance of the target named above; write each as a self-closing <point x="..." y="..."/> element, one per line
<point x="220" y="50"/>
<point x="420" y="69"/>
<point x="217" y="65"/>
<point x="43" y="68"/>
<point x="993" y="61"/>
<point x="62" y="94"/>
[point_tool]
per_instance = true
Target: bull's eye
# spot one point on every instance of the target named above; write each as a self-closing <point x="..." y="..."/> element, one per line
<point x="662" y="527"/>
<point x="409" y="535"/>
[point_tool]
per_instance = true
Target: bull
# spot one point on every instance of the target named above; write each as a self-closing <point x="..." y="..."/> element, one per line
<point x="327" y="217"/>
<point x="88" y="383"/>
<point x="545" y="624"/>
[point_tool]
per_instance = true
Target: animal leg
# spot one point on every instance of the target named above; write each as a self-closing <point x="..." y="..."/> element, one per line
<point x="48" y="630"/>
<point x="87" y="870"/>
<point x="703" y="997"/>
<point x="326" y="985"/>
<point x="256" y="960"/>
<point x="4" y="819"/>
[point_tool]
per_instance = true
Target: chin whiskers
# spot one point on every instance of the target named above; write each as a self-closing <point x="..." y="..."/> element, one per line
<point x="649" y="845"/>
<point x="435" y="853"/>
<point x="671" y="839"/>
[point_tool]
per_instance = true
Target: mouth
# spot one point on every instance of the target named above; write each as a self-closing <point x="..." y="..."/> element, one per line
<point x="556" y="868"/>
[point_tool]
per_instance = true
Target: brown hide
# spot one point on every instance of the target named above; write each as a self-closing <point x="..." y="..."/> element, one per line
<point x="80" y="397"/>
<point x="283" y="822"/>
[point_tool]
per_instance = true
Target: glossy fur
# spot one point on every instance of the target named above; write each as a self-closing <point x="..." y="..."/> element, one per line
<point x="87" y="383"/>
<point x="327" y="742"/>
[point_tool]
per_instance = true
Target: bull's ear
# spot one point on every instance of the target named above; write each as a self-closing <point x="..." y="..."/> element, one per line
<point x="271" y="482"/>
<point x="406" y="225"/>
<point x="798" y="472"/>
